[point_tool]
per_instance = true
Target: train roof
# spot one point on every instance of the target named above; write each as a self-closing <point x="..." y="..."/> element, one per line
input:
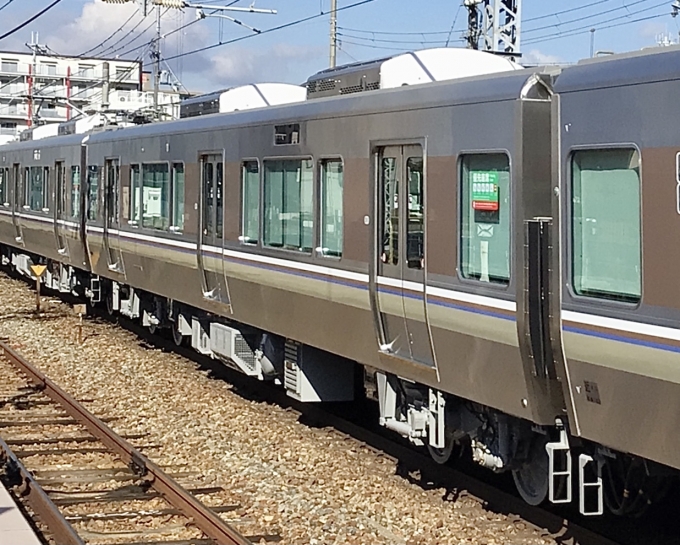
<point x="44" y="143"/>
<point x="479" y="89"/>
<point x="646" y="66"/>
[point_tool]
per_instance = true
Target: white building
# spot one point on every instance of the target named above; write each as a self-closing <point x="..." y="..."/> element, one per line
<point x="57" y="89"/>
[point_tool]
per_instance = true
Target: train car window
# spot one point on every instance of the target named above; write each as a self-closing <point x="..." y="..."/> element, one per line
<point x="156" y="196"/>
<point x="288" y="204"/>
<point x="75" y="192"/>
<point x="415" y="228"/>
<point x="92" y="192"/>
<point x="135" y="195"/>
<point x="3" y="186"/>
<point x="606" y="231"/>
<point x="177" y="197"/>
<point x="485" y="218"/>
<point x="251" y="203"/>
<point x="35" y="187"/>
<point x="331" y="207"/>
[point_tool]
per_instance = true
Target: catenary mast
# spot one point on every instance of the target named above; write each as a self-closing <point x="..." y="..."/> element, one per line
<point x="494" y="25"/>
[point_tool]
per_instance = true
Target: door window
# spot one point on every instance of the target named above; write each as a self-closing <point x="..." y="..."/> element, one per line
<point x="331" y="207"/>
<point x="389" y="203"/>
<point x="250" y="228"/>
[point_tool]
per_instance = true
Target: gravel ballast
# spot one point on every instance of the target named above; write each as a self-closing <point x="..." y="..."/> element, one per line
<point x="308" y="485"/>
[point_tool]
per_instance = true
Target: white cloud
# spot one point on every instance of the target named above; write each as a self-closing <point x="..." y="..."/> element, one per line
<point x="281" y="62"/>
<point x="534" y="56"/>
<point x="653" y="30"/>
<point x="96" y="22"/>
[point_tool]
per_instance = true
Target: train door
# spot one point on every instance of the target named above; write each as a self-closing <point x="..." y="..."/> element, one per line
<point x="211" y="232"/>
<point x="400" y="275"/>
<point x="60" y="212"/>
<point x="112" y="214"/>
<point x="18" y="201"/>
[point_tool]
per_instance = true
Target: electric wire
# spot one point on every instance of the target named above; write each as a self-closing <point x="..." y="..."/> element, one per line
<point x="30" y="19"/>
<point x="576" y="32"/>
<point x="269" y="30"/>
<point x="593" y="15"/>
<point x="598" y="26"/>
<point x="119" y="29"/>
<point x="6" y="4"/>
<point x="557" y="13"/>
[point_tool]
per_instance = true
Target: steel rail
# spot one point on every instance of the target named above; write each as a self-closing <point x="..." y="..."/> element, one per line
<point x="27" y="488"/>
<point x="204" y="518"/>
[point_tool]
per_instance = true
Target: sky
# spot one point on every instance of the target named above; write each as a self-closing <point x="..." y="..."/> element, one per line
<point x="553" y="31"/>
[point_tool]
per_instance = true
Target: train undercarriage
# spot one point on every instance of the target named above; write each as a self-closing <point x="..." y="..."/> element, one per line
<point x="546" y="463"/>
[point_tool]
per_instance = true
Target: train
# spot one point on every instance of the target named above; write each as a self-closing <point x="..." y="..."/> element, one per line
<point x="490" y="258"/>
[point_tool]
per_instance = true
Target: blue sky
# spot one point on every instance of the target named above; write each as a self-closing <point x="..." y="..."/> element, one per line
<point x="550" y="33"/>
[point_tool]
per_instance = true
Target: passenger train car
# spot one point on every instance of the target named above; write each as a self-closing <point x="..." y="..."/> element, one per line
<point x="490" y="257"/>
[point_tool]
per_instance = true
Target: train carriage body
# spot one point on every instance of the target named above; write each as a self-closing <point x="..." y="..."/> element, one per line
<point x="495" y="252"/>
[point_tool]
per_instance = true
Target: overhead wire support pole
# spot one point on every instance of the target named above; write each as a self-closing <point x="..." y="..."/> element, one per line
<point x="156" y="54"/>
<point x="334" y="33"/>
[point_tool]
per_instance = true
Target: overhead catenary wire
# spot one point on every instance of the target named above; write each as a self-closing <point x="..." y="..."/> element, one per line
<point x="586" y="31"/>
<point x="119" y="29"/>
<point x="30" y="19"/>
<point x="570" y="10"/>
<point x="593" y="15"/>
<point x="6" y="4"/>
<point x="269" y="30"/>
<point x="609" y="23"/>
<point x="378" y="40"/>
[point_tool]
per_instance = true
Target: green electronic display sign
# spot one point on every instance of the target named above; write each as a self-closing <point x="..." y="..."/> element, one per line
<point x="484" y="185"/>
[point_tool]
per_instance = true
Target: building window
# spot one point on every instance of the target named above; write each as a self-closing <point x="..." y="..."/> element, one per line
<point x="85" y="71"/>
<point x="75" y="192"/>
<point x="251" y="203"/>
<point x="156" y="196"/>
<point x="177" y="197"/>
<point x="4" y="182"/>
<point x="36" y="187"/>
<point x="485" y="218"/>
<point x="123" y="73"/>
<point x="331" y="207"/>
<point x="48" y="69"/>
<point x="607" y="239"/>
<point x="92" y="192"/>
<point x="9" y="65"/>
<point x="288" y="204"/>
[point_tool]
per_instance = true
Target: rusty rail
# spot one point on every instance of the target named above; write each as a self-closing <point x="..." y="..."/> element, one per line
<point x="25" y="486"/>
<point x="205" y="519"/>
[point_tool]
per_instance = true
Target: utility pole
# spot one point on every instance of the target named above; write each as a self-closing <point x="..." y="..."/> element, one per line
<point x="180" y="4"/>
<point x="37" y="49"/>
<point x="334" y="32"/>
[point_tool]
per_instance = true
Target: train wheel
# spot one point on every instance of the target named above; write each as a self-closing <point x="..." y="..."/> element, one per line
<point x="152" y="328"/>
<point x="442" y="455"/>
<point x="109" y="302"/>
<point x="177" y="337"/>
<point x="531" y="479"/>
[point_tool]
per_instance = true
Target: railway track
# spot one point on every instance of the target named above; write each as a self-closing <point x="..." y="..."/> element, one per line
<point x="84" y="483"/>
